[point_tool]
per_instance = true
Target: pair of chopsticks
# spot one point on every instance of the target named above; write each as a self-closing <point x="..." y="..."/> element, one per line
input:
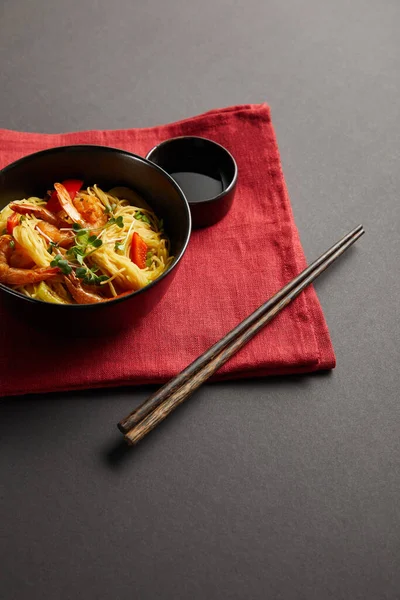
<point x="160" y="404"/>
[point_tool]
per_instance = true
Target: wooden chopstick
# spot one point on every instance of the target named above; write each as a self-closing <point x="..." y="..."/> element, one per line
<point x="167" y="389"/>
<point x="156" y="408"/>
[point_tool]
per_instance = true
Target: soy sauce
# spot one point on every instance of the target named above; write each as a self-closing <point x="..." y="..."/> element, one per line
<point x="198" y="187"/>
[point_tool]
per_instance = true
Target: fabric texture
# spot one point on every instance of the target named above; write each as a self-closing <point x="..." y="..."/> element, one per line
<point x="227" y="272"/>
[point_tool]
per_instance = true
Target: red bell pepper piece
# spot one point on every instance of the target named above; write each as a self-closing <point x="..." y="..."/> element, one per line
<point x="138" y="251"/>
<point x="72" y="186"/>
<point x="12" y="221"/>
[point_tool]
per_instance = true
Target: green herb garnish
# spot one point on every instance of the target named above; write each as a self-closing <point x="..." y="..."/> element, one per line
<point x="110" y="209"/>
<point x="76" y="253"/>
<point x="81" y="272"/>
<point x="89" y="276"/>
<point x="83" y="240"/>
<point x="119" y="246"/>
<point x="63" y="265"/>
<point x="102" y="278"/>
<point x="12" y="244"/>
<point x="86" y="243"/>
<point x="52" y="246"/>
<point x="148" y="259"/>
<point x="139" y="216"/>
<point x="96" y="244"/>
<point x="115" y="221"/>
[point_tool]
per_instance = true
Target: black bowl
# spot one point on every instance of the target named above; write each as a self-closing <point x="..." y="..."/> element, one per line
<point x="33" y="175"/>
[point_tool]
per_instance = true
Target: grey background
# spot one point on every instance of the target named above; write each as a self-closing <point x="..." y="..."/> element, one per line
<point x="282" y="488"/>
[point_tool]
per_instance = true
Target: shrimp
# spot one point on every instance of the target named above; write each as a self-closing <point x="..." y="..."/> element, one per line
<point x="78" y="292"/>
<point x="85" y="210"/>
<point x="20" y="259"/>
<point x="13" y="276"/>
<point x="48" y="224"/>
<point x="65" y="239"/>
<point x="26" y="208"/>
<point x="91" y="209"/>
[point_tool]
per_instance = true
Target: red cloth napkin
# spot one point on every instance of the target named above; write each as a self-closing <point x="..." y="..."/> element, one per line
<point x="228" y="271"/>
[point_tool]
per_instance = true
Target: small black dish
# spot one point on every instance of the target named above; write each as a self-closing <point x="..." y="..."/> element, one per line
<point x="108" y="167"/>
<point x="204" y="170"/>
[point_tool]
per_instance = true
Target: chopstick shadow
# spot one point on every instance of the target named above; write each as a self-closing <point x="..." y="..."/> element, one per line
<point x="31" y="419"/>
<point x="117" y="453"/>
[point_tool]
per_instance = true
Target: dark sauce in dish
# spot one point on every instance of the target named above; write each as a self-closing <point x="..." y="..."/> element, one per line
<point x="197" y="186"/>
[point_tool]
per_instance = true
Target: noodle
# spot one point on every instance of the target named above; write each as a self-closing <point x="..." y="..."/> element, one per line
<point x="121" y="247"/>
<point x="33" y="242"/>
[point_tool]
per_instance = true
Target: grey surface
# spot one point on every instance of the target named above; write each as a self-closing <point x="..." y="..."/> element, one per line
<point x="285" y="488"/>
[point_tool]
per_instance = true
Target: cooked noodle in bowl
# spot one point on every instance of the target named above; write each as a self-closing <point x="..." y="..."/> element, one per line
<point x="81" y="246"/>
<point x="81" y="256"/>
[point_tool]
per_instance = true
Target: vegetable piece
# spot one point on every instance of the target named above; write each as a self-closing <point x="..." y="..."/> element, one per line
<point x="45" y="294"/>
<point x="148" y="259"/>
<point x="12" y="221"/>
<point x="138" y="251"/>
<point x="72" y="186"/>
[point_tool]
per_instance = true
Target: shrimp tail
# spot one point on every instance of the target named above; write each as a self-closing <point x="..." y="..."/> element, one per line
<point x="77" y="291"/>
<point x="65" y="239"/>
<point x="27" y="208"/>
<point x="66" y="203"/>
<point x="12" y="276"/>
<point x="25" y="276"/>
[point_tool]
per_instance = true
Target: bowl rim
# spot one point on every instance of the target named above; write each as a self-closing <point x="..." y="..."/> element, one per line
<point x="224" y="192"/>
<point x="111" y="150"/>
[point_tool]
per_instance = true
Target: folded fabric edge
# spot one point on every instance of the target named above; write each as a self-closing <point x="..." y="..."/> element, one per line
<point x="140" y="381"/>
<point x="322" y="341"/>
<point x="216" y="111"/>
